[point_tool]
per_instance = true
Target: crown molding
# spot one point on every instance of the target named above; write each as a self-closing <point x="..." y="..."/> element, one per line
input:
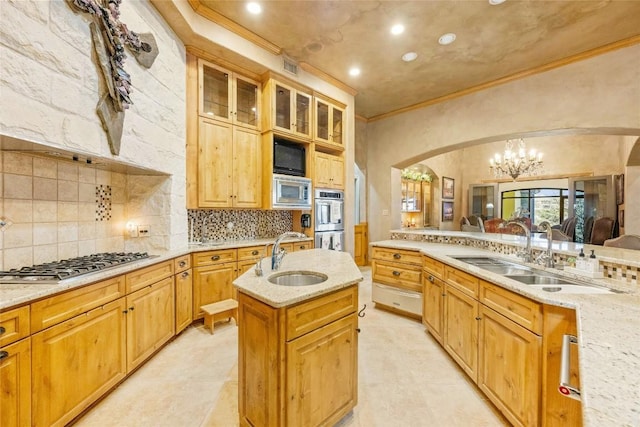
<point x="230" y="25"/>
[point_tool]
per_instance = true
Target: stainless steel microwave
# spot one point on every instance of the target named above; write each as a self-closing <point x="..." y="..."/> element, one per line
<point x="291" y="192"/>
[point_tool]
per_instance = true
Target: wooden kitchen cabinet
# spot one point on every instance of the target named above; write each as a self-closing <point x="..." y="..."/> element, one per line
<point x="297" y="365"/>
<point x="212" y="283"/>
<point x="184" y="292"/>
<point x="461" y="330"/>
<point x="509" y="367"/>
<point x="329" y="171"/>
<point x="14" y="325"/>
<point x="557" y="409"/>
<point x="411" y="196"/>
<point x="15" y="384"/>
<point x="228" y="96"/>
<point x="433" y="306"/>
<point x="150" y="320"/>
<point x="329" y="122"/>
<point x="288" y="109"/>
<point x="397" y="280"/>
<point x="76" y="361"/>
<point x="229" y="166"/>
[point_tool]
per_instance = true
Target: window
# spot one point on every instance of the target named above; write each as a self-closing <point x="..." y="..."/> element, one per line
<point x="539" y="204"/>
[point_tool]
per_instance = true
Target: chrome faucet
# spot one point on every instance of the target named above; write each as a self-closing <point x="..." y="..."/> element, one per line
<point x="276" y="255"/>
<point x="546" y="258"/>
<point x="526" y="255"/>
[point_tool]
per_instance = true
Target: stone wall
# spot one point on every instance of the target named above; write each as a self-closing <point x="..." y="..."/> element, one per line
<point x="50" y="87"/>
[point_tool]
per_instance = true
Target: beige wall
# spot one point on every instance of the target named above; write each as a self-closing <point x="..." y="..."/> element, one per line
<point x="600" y="95"/>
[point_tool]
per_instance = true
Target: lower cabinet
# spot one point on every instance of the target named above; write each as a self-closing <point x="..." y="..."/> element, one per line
<point x="433" y="308"/>
<point x="76" y="361"/>
<point x="150" y="320"/>
<point x="461" y="330"/>
<point x="322" y="371"/>
<point x="15" y="384"/>
<point x="297" y="365"/>
<point x="184" y="300"/>
<point x="559" y="410"/>
<point x="211" y="284"/>
<point x="509" y="367"/>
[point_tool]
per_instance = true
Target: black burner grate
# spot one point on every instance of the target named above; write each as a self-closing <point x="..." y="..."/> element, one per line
<point x="68" y="268"/>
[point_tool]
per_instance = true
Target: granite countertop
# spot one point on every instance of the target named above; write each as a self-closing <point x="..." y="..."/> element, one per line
<point x="338" y="266"/>
<point x="14" y="294"/>
<point x="608" y="329"/>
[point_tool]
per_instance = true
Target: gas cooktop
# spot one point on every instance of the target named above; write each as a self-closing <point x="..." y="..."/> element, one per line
<point x="54" y="272"/>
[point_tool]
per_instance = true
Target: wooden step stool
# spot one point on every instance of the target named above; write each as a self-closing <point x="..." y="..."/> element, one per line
<point x="215" y="311"/>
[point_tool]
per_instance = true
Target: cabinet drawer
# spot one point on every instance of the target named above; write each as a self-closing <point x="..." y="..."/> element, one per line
<point x="61" y="307"/>
<point x="407" y="301"/>
<point x="401" y="275"/>
<point x="520" y="309"/>
<point x="397" y="255"/>
<point x="148" y="275"/>
<point x="463" y="281"/>
<point x="310" y="315"/>
<point x="302" y="246"/>
<point x="250" y="253"/>
<point x="432" y="266"/>
<point x="14" y="325"/>
<point x="182" y="263"/>
<point x="214" y="257"/>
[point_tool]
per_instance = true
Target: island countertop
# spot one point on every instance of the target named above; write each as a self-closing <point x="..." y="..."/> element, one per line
<point x="338" y="266"/>
<point x="608" y="331"/>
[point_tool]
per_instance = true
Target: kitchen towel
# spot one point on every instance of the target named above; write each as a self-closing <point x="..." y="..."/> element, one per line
<point x="337" y="245"/>
<point x="326" y="241"/>
<point x="336" y="214"/>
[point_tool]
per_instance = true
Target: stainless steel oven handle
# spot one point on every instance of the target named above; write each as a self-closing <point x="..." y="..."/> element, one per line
<point x="565" y="388"/>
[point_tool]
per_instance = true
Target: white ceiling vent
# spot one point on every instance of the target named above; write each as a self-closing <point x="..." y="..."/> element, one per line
<point x="290" y="66"/>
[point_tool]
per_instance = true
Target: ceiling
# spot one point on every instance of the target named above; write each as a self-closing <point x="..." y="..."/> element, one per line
<point x="493" y="41"/>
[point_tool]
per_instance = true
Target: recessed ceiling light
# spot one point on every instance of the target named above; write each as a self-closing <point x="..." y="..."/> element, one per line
<point x="397" y="29"/>
<point x="446" y="39"/>
<point x="254" y="8"/>
<point x="355" y="71"/>
<point x="409" y="56"/>
<point x="496" y="2"/>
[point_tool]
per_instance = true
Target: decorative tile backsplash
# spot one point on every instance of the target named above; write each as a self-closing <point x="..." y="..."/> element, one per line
<point x="103" y="202"/>
<point x="611" y="270"/>
<point x="223" y="225"/>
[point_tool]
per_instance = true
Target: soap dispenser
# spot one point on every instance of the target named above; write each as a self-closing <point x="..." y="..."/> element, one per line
<point x="594" y="265"/>
<point x="581" y="263"/>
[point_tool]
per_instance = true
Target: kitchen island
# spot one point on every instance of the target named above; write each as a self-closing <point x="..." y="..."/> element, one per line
<point x="608" y="325"/>
<point x="298" y="345"/>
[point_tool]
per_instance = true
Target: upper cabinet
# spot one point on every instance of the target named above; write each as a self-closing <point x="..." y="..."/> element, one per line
<point x="329" y="123"/>
<point x="411" y="196"/>
<point x="288" y="109"/>
<point x="227" y="96"/>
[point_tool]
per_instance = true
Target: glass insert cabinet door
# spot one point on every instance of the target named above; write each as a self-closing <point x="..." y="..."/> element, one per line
<point x="215" y="92"/>
<point x="329" y="122"/>
<point x="292" y="110"/>
<point x="247" y="95"/>
<point x="411" y="196"/>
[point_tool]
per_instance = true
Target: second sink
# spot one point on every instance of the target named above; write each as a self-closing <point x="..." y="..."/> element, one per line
<point x="297" y="278"/>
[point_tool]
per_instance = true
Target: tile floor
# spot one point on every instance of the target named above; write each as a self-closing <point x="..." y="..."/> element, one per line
<point x="405" y="379"/>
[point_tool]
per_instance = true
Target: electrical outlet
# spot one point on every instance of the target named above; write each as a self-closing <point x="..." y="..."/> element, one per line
<point x="385" y="212"/>
<point x="133" y="232"/>
<point x="143" y="230"/>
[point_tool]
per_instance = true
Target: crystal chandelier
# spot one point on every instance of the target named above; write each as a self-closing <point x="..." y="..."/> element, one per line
<point x="516" y="161"/>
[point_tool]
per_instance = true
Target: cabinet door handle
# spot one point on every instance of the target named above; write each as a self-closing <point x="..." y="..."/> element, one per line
<point x="215" y="258"/>
<point x="124" y="312"/>
<point x="254" y="252"/>
<point x="131" y="308"/>
<point x="396" y="273"/>
<point x="397" y="256"/>
<point x="444" y="295"/>
<point x="4" y="354"/>
<point x="478" y="318"/>
<point x="565" y="368"/>
<point x="2" y="330"/>
<point x="431" y="278"/>
<point x="185" y="274"/>
<point x="182" y="263"/>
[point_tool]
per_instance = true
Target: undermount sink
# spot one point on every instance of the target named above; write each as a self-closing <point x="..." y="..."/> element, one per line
<point x="534" y="279"/>
<point x="573" y="289"/>
<point x="297" y="278"/>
